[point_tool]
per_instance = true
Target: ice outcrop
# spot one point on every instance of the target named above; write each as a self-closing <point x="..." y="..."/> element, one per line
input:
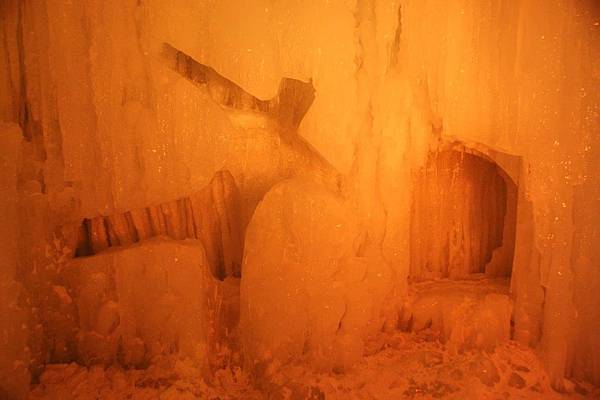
<point x="305" y="293"/>
<point x="138" y="302"/>
<point x="466" y="314"/>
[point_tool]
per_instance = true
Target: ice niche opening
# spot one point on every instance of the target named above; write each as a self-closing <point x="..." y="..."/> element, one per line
<point x="463" y="226"/>
<point x="463" y="217"/>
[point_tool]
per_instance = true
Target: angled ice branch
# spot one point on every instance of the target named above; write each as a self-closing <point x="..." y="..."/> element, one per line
<point x="288" y="107"/>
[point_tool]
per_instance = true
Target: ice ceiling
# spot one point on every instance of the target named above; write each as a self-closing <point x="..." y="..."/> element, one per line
<point x="266" y="184"/>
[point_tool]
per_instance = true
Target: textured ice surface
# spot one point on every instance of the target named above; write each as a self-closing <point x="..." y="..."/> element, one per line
<point x="168" y="379"/>
<point x="409" y="367"/>
<point x="155" y="135"/>
<point x="462" y="219"/>
<point x="466" y="314"/>
<point x="304" y="290"/>
<point x="293" y="251"/>
<point x="509" y="77"/>
<point x="271" y="41"/>
<point x="11" y="86"/>
<point x="14" y="353"/>
<point x="112" y="128"/>
<point x="138" y="302"/>
<point x="211" y="215"/>
<point x="414" y="367"/>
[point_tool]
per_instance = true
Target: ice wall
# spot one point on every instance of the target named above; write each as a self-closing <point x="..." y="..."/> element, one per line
<point x="124" y="129"/>
<point x="15" y="354"/>
<point x="520" y="76"/>
<point x="11" y="84"/>
<point x="110" y="127"/>
<point x="14" y="357"/>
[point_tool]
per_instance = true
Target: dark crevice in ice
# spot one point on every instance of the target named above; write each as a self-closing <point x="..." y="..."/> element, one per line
<point x="211" y="216"/>
<point x="396" y="45"/>
<point x="288" y="107"/>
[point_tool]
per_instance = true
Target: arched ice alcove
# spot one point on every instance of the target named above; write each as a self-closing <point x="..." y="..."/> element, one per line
<point x="463" y="216"/>
<point x="463" y="228"/>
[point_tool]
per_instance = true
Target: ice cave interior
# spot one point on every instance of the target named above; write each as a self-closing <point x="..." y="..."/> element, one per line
<point x="299" y="199"/>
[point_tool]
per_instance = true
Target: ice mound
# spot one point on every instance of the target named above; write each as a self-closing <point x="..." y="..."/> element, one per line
<point x="303" y="290"/>
<point x="135" y="303"/>
<point x="465" y="314"/>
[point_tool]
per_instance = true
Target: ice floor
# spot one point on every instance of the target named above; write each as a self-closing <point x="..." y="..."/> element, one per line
<point x="431" y="356"/>
<point x="409" y="366"/>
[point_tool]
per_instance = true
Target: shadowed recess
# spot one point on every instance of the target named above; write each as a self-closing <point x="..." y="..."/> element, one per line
<point x="288" y="107"/>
